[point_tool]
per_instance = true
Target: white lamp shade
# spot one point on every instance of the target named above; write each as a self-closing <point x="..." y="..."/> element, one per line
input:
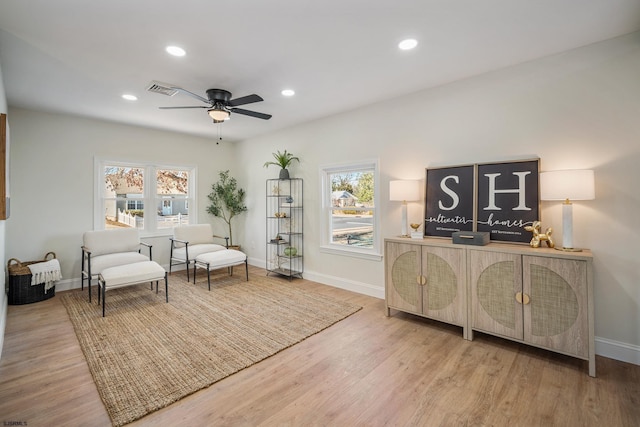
<point x="567" y="184"/>
<point x="402" y="190"/>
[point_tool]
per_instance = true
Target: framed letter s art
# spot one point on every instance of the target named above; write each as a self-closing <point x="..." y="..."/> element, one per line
<point x="449" y="201"/>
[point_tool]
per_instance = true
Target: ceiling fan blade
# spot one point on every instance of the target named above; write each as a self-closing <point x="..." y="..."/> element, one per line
<point x="244" y="100"/>
<point x="192" y="106"/>
<point x="186" y="92"/>
<point x="251" y="113"/>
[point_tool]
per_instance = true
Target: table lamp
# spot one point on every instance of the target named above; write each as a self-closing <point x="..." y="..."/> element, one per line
<point x="404" y="191"/>
<point x="567" y="185"/>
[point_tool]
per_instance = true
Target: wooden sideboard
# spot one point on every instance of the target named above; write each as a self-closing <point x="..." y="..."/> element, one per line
<point x="537" y="296"/>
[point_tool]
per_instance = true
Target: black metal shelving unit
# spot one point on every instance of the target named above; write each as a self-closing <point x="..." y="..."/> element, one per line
<point x="285" y="227"/>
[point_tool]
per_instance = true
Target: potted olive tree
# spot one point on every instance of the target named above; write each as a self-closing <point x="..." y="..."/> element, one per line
<point x="284" y="160"/>
<point x="227" y="200"/>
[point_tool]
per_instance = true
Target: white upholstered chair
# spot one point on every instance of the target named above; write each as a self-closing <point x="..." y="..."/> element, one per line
<point x="104" y="249"/>
<point x="189" y="241"/>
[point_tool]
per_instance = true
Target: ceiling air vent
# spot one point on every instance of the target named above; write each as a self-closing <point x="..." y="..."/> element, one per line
<point x="163" y="88"/>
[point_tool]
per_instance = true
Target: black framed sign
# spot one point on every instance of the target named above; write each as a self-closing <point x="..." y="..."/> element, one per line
<point x="500" y="198"/>
<point x="508" y="199"/>
<point x="449" y="200"/>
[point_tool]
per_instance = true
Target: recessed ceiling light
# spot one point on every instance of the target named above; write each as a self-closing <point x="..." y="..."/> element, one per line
<point x="288" y="92"/>
<point x="175" y="51"/>
<point x="129" y="97"/>
<point x="408" y="44"/>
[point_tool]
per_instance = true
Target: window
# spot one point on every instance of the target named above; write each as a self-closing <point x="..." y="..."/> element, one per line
<point x="350" y="223"/>
<point x="135" y="205"/>
<point x="149" y="197"/>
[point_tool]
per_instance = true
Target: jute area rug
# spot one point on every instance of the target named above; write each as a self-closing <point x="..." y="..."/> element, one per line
<point x="146" y="353"/>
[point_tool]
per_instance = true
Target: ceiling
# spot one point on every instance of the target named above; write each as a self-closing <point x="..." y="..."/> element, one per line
<point x="79" y="57"/>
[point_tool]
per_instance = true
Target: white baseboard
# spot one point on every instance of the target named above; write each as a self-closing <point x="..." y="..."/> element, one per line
<point x="336" y="282"/>
<point x="618" y="350"/>
<point x="346" y="284"/>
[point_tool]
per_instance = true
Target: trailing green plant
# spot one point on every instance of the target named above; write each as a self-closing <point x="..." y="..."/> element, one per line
<point x="227" y="200"/>
<point x="283" y="159"/>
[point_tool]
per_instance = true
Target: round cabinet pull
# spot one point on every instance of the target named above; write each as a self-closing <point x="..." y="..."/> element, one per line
<point x="523" y="298"/>
<point x="421" y="280"/>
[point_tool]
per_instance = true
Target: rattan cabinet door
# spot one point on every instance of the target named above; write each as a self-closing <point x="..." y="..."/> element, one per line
<point x="443" y="296"/>
<point x="496" y="280"/>
<point x="556" y="316"/>
<point x="403" y="285"/>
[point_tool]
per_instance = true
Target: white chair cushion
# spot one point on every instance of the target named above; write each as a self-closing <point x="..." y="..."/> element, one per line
<point x="102" y="242"/>
<point x="131" y="274"/>
<point x="195" y="234"/>
<point x="196" y="250"/>
<point x="103" y="262"/>
<point x="227" y="258"/>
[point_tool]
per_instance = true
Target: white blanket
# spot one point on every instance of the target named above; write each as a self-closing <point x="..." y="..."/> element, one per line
<point x="45" y="272"/>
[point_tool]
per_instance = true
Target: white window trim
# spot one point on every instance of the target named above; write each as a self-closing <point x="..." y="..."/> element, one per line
<point x="150" y="223"/>
<point x="326" y="245"/>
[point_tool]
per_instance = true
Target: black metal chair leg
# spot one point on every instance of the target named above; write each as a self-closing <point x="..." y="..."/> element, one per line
<point x="166" y="287"/>
<point x="104" y="298"/>
<point x="246" y="266"/>
<point x="208" y="276"/>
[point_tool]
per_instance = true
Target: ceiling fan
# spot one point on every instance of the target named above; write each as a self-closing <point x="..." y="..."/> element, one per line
<point x="220" y="105"/>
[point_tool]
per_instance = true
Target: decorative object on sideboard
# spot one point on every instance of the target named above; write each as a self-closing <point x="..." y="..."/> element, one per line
<point x="284" y="160"/>
<point x="567" y="185"/>
<point x="539" y="237"/>
<point x="415" y="234"/>
<point x="404" y="191"/>
<point x="476" y="238"/>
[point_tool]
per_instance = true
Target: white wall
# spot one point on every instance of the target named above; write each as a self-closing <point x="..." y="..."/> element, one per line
<point x="52" y="180"/>
<point x="3" y="296"/>
<point x="580" y="109"/>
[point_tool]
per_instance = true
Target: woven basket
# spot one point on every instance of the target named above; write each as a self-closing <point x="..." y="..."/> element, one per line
<point x="19" y="283"/>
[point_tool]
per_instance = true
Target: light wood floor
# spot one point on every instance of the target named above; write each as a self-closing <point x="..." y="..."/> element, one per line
<point x="367" y="370"/>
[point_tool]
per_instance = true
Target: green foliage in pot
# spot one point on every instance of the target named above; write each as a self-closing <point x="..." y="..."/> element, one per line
<point x="227" y="200"/>
<point x="283" y="160"/>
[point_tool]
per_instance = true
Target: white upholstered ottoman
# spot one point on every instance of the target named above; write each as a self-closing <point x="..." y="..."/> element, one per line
<point x="220" y="259"/>
<point x="131" y="274"/>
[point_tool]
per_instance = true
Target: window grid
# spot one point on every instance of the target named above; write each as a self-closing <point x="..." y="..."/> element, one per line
<point x="152" y="198"/>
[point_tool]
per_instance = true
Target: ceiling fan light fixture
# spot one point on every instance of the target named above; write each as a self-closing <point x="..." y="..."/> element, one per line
<point x="218" y="114"/>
